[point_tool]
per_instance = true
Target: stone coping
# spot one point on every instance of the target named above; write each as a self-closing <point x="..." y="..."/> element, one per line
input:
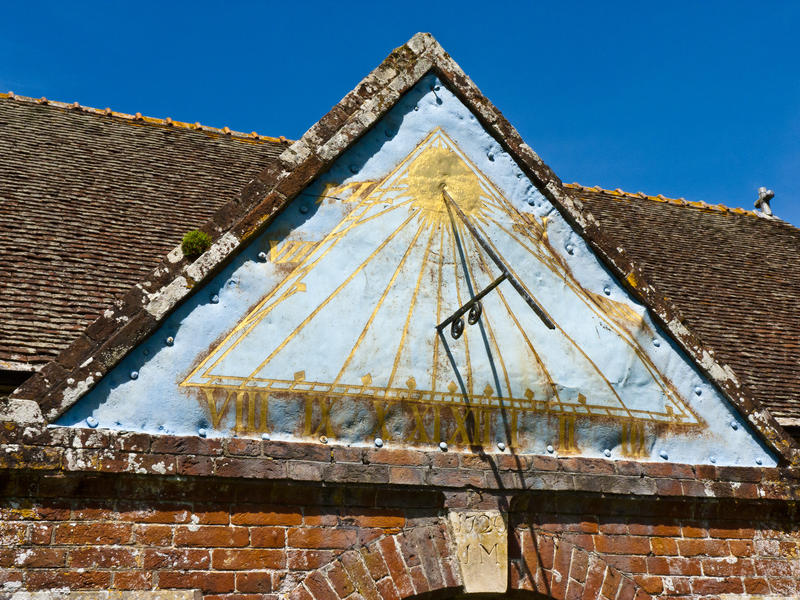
<point x="65" y="594"/>
<point x="69" y="450"/>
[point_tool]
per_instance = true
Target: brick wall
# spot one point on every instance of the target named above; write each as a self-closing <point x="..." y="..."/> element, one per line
<point x="237" y="538"/>
<point x="85" y="509"/>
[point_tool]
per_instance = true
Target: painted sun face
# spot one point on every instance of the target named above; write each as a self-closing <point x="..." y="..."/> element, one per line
<point x="435" y="169"/>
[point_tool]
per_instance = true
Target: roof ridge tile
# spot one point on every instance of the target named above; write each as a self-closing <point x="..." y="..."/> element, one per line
<point x="661" y="198"/>
<point x="168" y="122"/>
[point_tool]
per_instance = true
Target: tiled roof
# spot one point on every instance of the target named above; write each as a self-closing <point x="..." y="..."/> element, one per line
<point x="90" y="202"/>
<point x="733" y="274"/>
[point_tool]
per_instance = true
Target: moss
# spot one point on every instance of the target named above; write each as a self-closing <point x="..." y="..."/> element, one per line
<point x="195" y="243"/>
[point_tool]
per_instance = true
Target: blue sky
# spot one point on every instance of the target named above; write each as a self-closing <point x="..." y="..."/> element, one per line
<point x="698" y="99"/>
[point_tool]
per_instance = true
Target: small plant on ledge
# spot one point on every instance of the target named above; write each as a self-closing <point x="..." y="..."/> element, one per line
<point x="195" y="243"/>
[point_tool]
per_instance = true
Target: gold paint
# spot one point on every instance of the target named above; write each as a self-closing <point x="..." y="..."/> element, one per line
<point x="435" y="168"/>
<point x="380" y="412"/>
<point x="566" y="434"/>
<point x="216" y="414"/>
<point x="633" y="439"/>
<point x="419" y="434"/>
<point x="325" y="406"/>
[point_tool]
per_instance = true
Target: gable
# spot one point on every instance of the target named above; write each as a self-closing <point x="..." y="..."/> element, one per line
<point x="324" y="326"/>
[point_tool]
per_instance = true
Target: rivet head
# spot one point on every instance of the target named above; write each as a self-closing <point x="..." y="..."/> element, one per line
<point x="202" y="432"/>
<point x="262" y="256"/>
<point x="656" y="342"/>
<point x="91" y="422"/>
<point x="570" y="249"/>
<point x="501" y="446"/>
<point x="134" y="374"/>
<point x="663" y="454"/>
<point x="519" y="175"/>
<point x="698" y="391"/>
<point x="304" y="208"/>
<point x="713" y="459"/>
<point x="353" y="169"/>
<point x="436" y="87"/>
<point x="734" y="425"/>
<point x="550" y="449"/>
<point x="607" y="453"/>
<point x="378" y="442"/>
<point x="490" y="156"/>
<point x="323" y="439"/>
<point x="607" y="291"/>
<point x="389" y="132"/>
<point x="233" y="283"/>
<point x="758" y="460"/>
<point x="416" y="108"/>
<point x="443" y="446"/>
<point x="170" y="340"/>
<point x="214" y="299"/>
<point x="265" y="436"/>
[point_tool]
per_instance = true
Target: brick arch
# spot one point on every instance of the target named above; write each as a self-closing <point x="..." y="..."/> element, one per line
<point x="420" y="561"/>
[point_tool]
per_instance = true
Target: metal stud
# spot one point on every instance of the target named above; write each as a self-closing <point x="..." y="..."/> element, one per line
<point x="378" y="442"/>
<point x="656" y="342"/>
<point x="501" y="446"/>
<point x="134" y="374"/>
<point x="304" y="208"/>
<point x="202" y="432"/>
<point x="758" y="460"/>
<point x="262" y="256"/>
<point x="734" y="425"/>
<point x="713" y="459"/>
<point x="443" y="446"/>
<point x="214" y="299"/>
<point x="607" y="453"/>
<point x="353" y="169"/>
<point x="607" y="291"/>
<point x="550" y="449"/>
<point x="698" y="391"/>
<point x="570" y="249"/>
<point x="92" y="422"/>
<point x="323" y="439"/>
<point x="265" y="436"/>
<point x="170" y="341"/>
<point x="490" y="156"/>
<point x="663" y="454"/>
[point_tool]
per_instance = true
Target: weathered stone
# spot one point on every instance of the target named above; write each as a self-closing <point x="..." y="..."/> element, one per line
<point x="482" y="550"/>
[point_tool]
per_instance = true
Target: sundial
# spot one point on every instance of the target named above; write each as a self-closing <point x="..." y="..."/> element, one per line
<point x="359" y="315"/>
<point x="421" y="292"/>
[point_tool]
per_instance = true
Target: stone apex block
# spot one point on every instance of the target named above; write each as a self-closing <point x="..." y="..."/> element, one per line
<point x="63" y="594"/>
<point x="481" y="540"/>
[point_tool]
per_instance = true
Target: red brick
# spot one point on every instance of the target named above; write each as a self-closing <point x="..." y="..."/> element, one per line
<point x="319" y="587"/>
<point x="626" y="563"/>
<point x="658" y="565"/>
<point x="621" y="544"/>
<point x="664" y="546"/>
<point x="387" y="590"/>
<point x="693" y="547"/>
<point x="207" y="581"/>
<point x="321" y="538"/>
<point x="611" y="583"/>
<point x="299" y="593"/>
<point x="374" y="562"/>
<point x="741" y="548"/>
<point x="320" y="517"/>
<point x="93" y="533"/>
<point x="746" y="533"/>
<point x="352" y="563"/>
<point x="152" y="535"/>
<point x="708" y="586"/>
<point x="418" y="577"/>
<point x="176" y="558"/>
<point x="693" y="532"/>
<point x="307" y="560"/>
<point x="773" y="567"/>
<point x="211" y="536"/>
<point x="195" y="465"/>
<point x="110" y="558"/>
<point x="259" y="582"/>
<point x="668" y="487"/>
<point x="755" y="585"/>
<point x="724" y="567"/>
<point x="133" y="580"/>
<point x="248" y="558"/>
<point x="613" y="528"/>
<point x="627" y="589"/>
<point x="267" y="537"/>
<point x="161" y="512"/>
<point x="652" y="585"/>
<point x="580" y="563"/>
<point x="340" y="580"/>
<point x="386" y="519"/>
<point x="41" y="533"/>
<point x="397" y="569"/>
<point x="406" y="476"/>
<point x="37" y="557"/>
<point x="401" y="457"/>
<point x="574" y="590"/>
<point x="422" y="537"/>
<point x="39" y="579"/>
<point x="265" y="515"/>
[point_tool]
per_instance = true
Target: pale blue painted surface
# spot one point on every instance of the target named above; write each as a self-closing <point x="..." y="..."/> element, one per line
<point x="154" y="402"/>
